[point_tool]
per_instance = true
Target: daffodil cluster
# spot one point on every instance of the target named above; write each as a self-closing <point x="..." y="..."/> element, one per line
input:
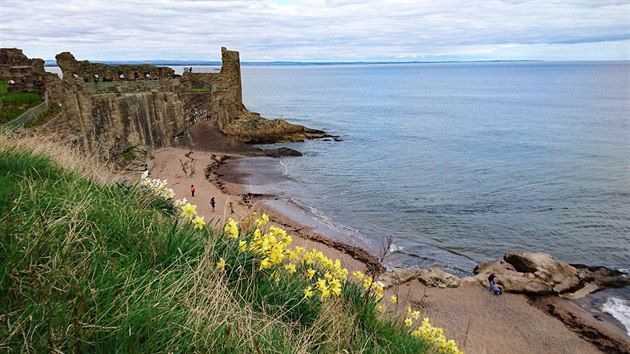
<point x="273" y="253"/>
<point x="370" y="286"/>
<point x="428" y="333"/>
<point x="189" y="212"/>
<point x="435" y="336"/>
<point x="157" y="186"/>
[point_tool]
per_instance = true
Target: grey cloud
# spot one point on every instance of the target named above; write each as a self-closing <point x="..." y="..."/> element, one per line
<point x="313" y="30"/>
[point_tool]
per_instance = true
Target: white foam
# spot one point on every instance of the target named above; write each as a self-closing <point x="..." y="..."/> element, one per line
<point x="619" y="309"/>
<point x="395" y="248"/>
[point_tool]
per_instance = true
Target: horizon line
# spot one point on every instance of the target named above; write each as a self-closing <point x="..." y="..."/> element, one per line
<point x="177" y="62"/>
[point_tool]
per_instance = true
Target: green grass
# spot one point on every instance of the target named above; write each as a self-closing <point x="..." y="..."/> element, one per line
<point x="4" y="86"/>
<point x="109" y="268"/>
<point x="198" y="89"/>
<point x="14" y="104"/>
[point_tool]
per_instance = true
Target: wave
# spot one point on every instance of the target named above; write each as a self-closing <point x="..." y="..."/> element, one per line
<point x="620" y="310"/>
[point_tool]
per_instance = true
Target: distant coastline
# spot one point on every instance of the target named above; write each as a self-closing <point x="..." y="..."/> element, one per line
<point x="52" y="62"/>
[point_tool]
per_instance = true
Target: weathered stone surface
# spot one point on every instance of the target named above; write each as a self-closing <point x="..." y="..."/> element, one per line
<point x="540" y="273"/>
<point x="396" y="277"/>
<point x="110" y="124"/>
<point x="602" y="276"/>
<point x="16" y="66"/>
<point x="251" y="128"/>
<point x="84" y="70"/>
<point x="138" y="110"/>
<point x="434" y="277"/>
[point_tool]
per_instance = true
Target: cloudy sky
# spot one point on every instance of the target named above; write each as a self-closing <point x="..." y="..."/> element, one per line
<point x="319" y="30"/>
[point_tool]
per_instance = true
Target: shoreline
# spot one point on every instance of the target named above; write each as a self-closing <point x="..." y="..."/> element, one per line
<point x="447" y="308"/>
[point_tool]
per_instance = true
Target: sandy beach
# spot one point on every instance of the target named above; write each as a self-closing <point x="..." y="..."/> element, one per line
<point x="478" y="321"/>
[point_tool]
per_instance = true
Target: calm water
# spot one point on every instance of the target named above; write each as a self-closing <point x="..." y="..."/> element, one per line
<point x="460" y="162"/>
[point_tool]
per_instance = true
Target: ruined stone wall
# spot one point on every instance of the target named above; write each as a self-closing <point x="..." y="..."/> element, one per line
<point x="28" y="74"/>
<point x="144" y="115"/>
<point x="225" y="99"/>
<point x="72" y="68"/>
<point x="111" y="123"/>
<point x="15" y="65"/>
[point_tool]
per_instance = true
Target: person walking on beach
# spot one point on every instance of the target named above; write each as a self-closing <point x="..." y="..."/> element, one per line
<point x="192" y="189"/>
<point x="212" y="203"/>
<point x="231" y="207"/>
<point x="491" y="282"/>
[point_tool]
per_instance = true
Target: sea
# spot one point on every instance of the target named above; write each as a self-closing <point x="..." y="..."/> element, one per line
<point x="451" y="164"/>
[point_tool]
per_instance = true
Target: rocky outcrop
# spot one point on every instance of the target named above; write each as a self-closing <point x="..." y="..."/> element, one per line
<point x="253" y="129"/>
<point x="525" y="272"/>
<point x="434" y="277"/>
<point x="608" y="338"/>
<point x="540" y="274"/>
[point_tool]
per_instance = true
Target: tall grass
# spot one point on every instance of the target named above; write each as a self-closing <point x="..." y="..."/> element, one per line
<point x="91" y="264"/>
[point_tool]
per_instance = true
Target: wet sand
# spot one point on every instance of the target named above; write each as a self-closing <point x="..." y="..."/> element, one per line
<point x="478" y="321"/>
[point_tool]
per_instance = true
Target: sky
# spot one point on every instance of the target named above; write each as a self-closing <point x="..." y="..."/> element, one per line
<point x="319" y="30"/>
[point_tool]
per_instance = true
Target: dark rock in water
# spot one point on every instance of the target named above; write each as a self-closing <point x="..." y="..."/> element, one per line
<point x="283" y="151"/>
<point x="328" y="137"/>
<point x="602" y="276"/>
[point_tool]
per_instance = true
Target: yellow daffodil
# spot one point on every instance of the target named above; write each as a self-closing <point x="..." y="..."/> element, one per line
<point x="379" y="308"/>
<point x="335" y="287"/>
<point x="242" y="246"/>
<point x="265" y="264"/>
<point x="231" y="228"/>
<point x="221" y="264"/>
<point x="199" y="222"/>
<point x="415" y="315"/>
<point x="357" y="275"/>
<point x="189" y="210"/>
<point x="321" y="284"/>
<point x="310" y="273"/>
<point x="394" y="299"/>
<point x="292" y="255"/>
<point x="408" y="322"/>
<point x="290" y="268"/>
<point x="262" y="221"/>
<point x="409" y="310"/>
<point x="308" y="292"/>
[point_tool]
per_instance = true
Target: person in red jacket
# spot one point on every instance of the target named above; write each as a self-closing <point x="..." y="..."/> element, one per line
<point x="192" y="189"/>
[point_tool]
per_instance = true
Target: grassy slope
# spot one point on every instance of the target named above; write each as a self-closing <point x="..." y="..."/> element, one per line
<point x="14" y="104"/>
<point x="107" y="268"/>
